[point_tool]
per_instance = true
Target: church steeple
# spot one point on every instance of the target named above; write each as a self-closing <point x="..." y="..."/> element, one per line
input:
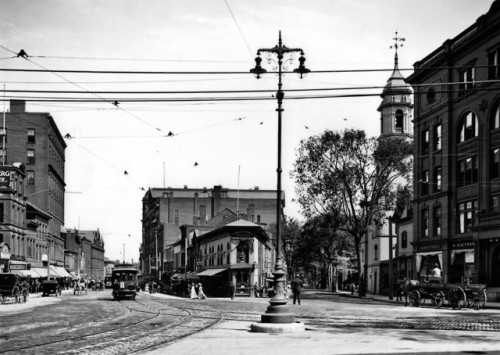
<point x="396" y="107"/>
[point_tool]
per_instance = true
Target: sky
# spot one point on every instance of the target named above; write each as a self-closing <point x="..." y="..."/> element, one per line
<point x="116" y="152"/>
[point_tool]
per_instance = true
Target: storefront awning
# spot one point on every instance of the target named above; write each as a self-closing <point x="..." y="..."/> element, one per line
<point x="211" y="272"/>
<point x="41" y="271"/>
<point x="21" y="273"/>
<point x="73" y="275"/>
<point x="62" y="271"/>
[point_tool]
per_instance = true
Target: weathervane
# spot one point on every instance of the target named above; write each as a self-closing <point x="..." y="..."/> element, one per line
<point x="396" y="45"/>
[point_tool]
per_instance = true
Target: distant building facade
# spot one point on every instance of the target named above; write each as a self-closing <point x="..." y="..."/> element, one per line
<point x="166" y="209"/>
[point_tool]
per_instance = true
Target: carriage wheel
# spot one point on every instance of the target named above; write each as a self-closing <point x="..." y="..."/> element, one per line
<point x="477" y="299"/>
<point x="438" y="299"/>
<point x="457" y="298"/>
<point x="15" y="294"/>
<point x="415" y="298"/>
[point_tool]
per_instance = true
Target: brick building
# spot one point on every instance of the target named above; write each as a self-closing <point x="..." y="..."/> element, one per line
<point x="166" y="209"/>
<point x="34" y="139"/>
<point x="457" y="162"/>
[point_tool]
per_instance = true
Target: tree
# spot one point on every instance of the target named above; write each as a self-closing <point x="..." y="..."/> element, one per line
<point x="352" y="179"/>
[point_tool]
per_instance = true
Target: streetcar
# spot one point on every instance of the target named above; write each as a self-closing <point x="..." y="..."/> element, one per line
<point x="124" y="280"/>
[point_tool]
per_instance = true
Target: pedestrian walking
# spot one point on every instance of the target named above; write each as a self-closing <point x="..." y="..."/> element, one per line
<point x="201" y="294"/>
<point x="297" y="285"/>
<point x="232" y="290"/>
<point x="193" y="293"/>
<point x="256" y="290"/>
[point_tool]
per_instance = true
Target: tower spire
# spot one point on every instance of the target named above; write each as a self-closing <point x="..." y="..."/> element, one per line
<point x="395" y="46"/>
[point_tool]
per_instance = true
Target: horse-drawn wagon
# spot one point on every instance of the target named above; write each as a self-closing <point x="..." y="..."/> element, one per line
<point x="11" y="287"/>
<point x="435" y="291"/>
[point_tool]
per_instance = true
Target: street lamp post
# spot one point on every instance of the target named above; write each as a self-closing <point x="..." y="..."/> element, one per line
<point x="277" y="312"/>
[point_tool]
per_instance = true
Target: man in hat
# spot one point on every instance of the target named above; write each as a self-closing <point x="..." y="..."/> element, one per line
<point x="297" y="285"/>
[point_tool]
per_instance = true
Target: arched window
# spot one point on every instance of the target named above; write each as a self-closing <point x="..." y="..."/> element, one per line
<point x="242" y="252"/>
<point x="399" y="121"/>
<point x="468" y="127"/>
<point x="495" y="118"/>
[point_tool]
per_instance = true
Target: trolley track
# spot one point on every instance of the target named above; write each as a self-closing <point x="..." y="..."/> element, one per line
<point x="147" y="325"/>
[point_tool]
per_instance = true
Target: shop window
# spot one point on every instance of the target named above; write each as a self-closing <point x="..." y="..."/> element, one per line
<point x="468" y="127"/>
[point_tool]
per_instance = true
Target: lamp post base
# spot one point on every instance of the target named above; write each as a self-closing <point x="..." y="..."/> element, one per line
<point x="295" y="327"/>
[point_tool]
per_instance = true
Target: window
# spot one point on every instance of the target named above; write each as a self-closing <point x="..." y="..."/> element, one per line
<point x="31" y="135"/>
<point x="437" y="179"/>
<point x="495" y="163"/>
<point x="431" y="95"/>
<point x="31" y="156"/>
<point x="495" y="118"/>
<point x="3" y="155"/>
<point x="467" y="78"/>
<point x="1" y="213"/>
<point x="425" y="223"/>
<point x="30" y="175"/>
<point x="466" y="215"/>
<point x="176" y="217"/>
<point x="399" y="121"/>
<point x="495" y="203"/>
<point x="437" y="137"/>
<point x="375" y="252"/>
<point x="404" y="240"/>
<point x="467" y="171"/>
<point x="425" y="141"/>
<point x="493" y="70"/>
<point x="468" y="128"/>
<point x="437" y="221"/>
<point x="425" y="182"/>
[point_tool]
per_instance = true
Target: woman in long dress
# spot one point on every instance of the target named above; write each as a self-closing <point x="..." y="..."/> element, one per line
<point x="193" y="293"/>
<point x="201" y="294"/>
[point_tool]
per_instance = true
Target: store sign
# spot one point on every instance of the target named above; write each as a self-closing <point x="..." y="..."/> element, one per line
<point x="17" y="266"/>
<point x="462" y="245"/>
<point x="4" y="178"/>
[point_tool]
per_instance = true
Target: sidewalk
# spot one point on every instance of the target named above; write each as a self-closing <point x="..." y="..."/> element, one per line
<point x="385" y="299"/>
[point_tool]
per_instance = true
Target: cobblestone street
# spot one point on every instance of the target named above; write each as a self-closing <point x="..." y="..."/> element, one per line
<point x="94" y="324"/>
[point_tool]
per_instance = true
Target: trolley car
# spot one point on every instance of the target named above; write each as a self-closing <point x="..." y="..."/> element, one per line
<point x="124" y="279"/>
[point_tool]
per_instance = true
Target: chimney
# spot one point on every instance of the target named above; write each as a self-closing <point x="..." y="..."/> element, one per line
<point x="17" y="106"/>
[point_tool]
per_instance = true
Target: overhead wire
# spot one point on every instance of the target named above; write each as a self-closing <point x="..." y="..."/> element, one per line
<point x="82" y="88"/>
